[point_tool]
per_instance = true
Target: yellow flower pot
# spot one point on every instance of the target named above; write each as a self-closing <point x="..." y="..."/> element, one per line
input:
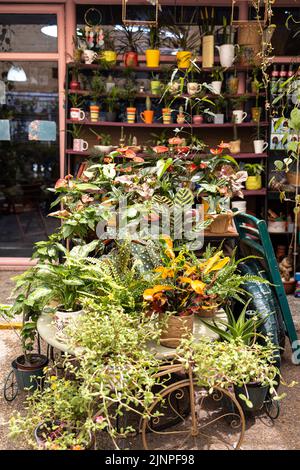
<point x="253" y="182"/>
<point x="109" y="56"/>
<point x="183" y="59"/>
<point x="152" y="57"/>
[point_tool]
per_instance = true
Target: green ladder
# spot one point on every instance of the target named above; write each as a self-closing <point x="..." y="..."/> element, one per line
<point x="254" y="234"/>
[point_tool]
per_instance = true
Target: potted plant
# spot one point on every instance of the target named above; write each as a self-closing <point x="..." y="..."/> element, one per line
<point x="207" y="29"/>
<point x="258" y="140"/>
<point x="103" y="142"/>
<point x="130" y="40"/>
<point x="129" y="94"/>
<point x="74" y="83"/>
<point x="153" y="53"/>
<point x="233" y="83"/>
<point x="218" y="76"/>
<point x="167" y="98"/>
<point x="155" y="85"/>
<point x="148" y="114"/>
<point x="227" y="49"/>
<point x="235" y="144"/>
<point x="182" y="39"/>
<point x="29" y="368"/>
<point x="169" y="298"/>
<point x="193" y="88"/>
<point x="108" y="55"/>
<point x="254" y="171"/>
<point x="112" y="102"/>
<point x="97" y="89"/>
<point x="219" y="110"/>
<point x="250" y="369"/>
<point x="256" y="110"/>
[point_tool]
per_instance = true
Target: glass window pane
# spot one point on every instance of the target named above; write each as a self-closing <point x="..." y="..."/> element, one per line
<point x="29" y="154"/>
<point x="28" y="33"/>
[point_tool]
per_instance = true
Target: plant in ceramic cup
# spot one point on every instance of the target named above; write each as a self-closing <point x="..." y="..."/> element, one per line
<point x="256" y="110"/>
<point x="217" y="75"/>
<point x="254" y="171"/>
<point x="227" y="49"/>
<point x="218" y="110"/>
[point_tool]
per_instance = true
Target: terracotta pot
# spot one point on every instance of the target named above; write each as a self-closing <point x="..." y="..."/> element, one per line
<point x="197" y="119"/>
<point x="220" y="223"/>
<point x="291" y="177"/>
<point x="131" y="59"/>
<point x="175" y="329"/>
<point x="253" y="182"/>
<point x="289" y="286"/>
<point x="74" y="85"/>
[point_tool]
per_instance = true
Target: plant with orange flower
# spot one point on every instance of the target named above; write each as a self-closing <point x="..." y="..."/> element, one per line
<point x="186" y="283"/>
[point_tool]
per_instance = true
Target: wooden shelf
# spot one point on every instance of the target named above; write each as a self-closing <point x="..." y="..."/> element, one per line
<point x="255" y="192"/>
<point x="184" y="95"/>
<point x="142" y="67"/>
<point x="166" y="126"/>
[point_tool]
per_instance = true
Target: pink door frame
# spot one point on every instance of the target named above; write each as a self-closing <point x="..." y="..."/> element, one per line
<point x="60" y="58"/>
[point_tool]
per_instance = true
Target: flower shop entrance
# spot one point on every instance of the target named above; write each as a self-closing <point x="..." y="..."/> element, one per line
<point x="32" y="67"/>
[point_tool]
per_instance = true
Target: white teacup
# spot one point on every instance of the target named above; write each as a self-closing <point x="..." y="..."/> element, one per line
<point x="239" y="116"/>
<point x="80" y="145"/>
<point x="193" y="88"/>
<point x="260" y="146"/>
<point x="89" y="56"/>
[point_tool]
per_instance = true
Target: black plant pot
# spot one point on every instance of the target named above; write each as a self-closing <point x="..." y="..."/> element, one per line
<point x="111" y="116"/>
<point x="30" y="374"/>
<point x="257" y="395"/>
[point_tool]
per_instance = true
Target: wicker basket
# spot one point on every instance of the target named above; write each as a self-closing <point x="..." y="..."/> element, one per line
<point x="175" y="329"/>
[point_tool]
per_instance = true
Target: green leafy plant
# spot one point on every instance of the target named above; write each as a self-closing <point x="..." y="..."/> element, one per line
<point x="97" y="86"/>
<point x="217" y="74"/>
<point x="130" y="39"/>
<point x="233" y="362"/>
<point x="242" y="328"/>
<point x="154" y="37"/>
<point x="254" y="169"/>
